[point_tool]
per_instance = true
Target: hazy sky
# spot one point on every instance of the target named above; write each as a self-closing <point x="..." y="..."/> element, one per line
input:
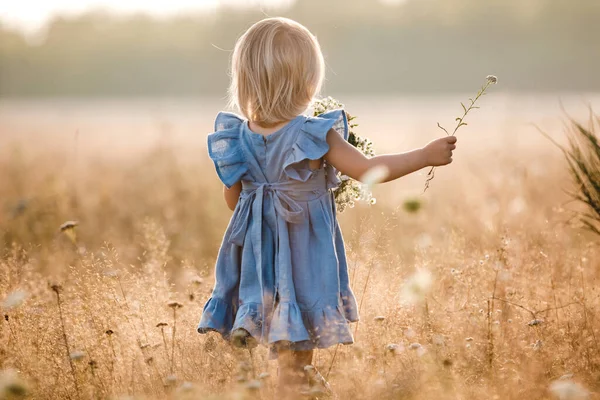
<point x="32" y="14"/>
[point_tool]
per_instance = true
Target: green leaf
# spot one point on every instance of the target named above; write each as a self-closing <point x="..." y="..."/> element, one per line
<point x="458" y="119"/>
<point x="464" y="108"/>
<point x="442" y="128"/>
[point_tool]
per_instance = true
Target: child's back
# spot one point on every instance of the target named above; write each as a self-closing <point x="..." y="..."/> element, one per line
<point x="281" y="273"/>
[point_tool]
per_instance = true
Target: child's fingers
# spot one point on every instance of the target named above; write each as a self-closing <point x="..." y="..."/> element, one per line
<point x="451" y="139"/>
<point x="452" y="147"/>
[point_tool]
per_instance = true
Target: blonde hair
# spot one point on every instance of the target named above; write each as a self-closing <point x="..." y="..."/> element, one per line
<point x="276" y="70"/>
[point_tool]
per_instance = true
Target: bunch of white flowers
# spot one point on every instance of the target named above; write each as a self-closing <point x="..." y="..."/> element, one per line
<point x="350" y="191"/>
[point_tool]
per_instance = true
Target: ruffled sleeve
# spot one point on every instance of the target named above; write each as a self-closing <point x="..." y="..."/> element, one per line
<point x="225" y="148"/>
<point x="311" y="143"/>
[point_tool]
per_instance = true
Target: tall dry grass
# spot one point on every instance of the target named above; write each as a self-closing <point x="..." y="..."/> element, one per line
<point x="110" y="306"/>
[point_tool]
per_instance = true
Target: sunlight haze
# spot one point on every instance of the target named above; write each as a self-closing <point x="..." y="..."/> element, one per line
<point x="30" y="15"/>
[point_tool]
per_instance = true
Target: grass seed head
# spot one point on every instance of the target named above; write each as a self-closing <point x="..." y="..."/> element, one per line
<point x="492" y="79"/>
<point x="77" y="355"/>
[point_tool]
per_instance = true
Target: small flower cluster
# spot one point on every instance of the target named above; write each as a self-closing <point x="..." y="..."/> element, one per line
<point x="350" y="191"/>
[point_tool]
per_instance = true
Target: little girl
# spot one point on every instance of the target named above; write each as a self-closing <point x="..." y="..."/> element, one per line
<point x="281" y="272"/>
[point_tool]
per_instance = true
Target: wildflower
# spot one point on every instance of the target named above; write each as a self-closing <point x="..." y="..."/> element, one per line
<point x="14" y="299"/>
<point x="174" y="305"/>
<point x="56" y="288"/>
<point x="568" y="390"/>
<point x="416" y="288"/>
<point x="264" y="376"/>
<point x="469" y="339"/>
<point x="373" y="201"/>
<point x="394" y="348"/>
<point x="68" y="228"/>
<point x="418" y="348"/>
<point x="535" y="322"/>
<point x="349" y="189"/>
<point x="379" y="318"/>
<point x="492" y="79"/>
<point x="161" y="325"/>
<point x="109" y="332"/>
<point x="77" y="355"/>
<point x="68" y="225"/>
<point x="460" y="121"/>
<point x="254" y="385"/>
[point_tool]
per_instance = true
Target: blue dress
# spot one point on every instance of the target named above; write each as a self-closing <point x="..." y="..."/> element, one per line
<point x="281" y="273"/>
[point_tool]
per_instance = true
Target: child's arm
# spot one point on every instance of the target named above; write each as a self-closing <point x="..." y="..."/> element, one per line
<point x="350" y="161"/>
<point x="232" y="195"/>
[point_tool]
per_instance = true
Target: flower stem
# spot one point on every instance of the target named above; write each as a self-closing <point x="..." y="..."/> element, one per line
<point x="460" y="122"/>
<point x="64" y="335"/>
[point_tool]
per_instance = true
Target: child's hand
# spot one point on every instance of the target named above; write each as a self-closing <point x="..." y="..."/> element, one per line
<point x="439" y="152"/>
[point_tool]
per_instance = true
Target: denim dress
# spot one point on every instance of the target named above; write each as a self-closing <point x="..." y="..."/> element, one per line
<point x="281" y="273"/>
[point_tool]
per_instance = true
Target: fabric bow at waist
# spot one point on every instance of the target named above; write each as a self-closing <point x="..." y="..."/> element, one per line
<point x="285" y="206"/>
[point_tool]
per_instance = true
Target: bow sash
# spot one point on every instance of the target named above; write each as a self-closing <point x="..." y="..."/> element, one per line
<point x="283" y="205"/>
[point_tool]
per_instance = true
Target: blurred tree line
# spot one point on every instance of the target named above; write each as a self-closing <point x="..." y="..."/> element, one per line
<point x="417" y="46"/>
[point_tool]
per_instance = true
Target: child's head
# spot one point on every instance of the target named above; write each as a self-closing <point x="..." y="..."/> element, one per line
<point x="277" y="69"/>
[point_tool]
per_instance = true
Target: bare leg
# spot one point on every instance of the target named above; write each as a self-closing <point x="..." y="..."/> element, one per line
<point x="291" y="372"/>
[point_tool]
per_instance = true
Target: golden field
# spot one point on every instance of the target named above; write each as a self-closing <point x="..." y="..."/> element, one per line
<point x="513" y="307"/>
